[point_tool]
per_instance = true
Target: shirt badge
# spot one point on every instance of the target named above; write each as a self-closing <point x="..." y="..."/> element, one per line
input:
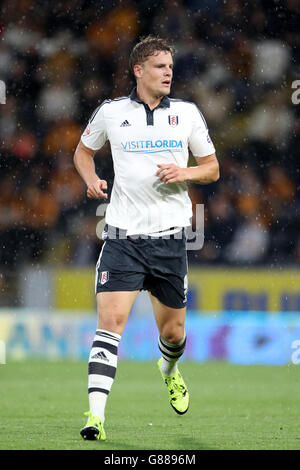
<point x="173" y="120"/>
<point x="87" y="131"/>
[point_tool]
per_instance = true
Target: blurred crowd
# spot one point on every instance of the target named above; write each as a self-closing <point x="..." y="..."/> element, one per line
<point x="236" y="60"/>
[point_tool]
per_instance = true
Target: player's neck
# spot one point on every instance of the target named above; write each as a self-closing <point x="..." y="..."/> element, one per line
<point x="147" y="98"/>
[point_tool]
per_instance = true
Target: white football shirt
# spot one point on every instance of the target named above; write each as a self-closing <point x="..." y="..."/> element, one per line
<point x="140" y="139"/>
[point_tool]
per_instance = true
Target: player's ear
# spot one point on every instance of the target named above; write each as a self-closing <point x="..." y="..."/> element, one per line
<point x="138" y="70"/>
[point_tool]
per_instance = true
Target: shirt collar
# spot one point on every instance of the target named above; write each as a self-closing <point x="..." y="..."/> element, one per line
<point x="164" y="103"/>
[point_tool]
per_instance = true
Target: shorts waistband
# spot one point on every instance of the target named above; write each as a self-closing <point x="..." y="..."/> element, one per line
<point x="111" y="232"/>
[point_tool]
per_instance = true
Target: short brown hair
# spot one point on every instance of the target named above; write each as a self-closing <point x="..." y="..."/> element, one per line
<point x="147" y="47"/>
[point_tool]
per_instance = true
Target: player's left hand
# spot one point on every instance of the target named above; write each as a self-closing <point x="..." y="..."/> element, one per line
<point x="171" y="173"/>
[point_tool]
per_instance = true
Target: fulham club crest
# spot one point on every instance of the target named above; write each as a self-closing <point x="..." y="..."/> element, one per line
<point x="104" y="277"/>
<point x="173" y="121"/>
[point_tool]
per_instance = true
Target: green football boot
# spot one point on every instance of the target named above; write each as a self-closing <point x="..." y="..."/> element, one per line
<point x="94" y="429"/>
<point x="178" y="393"/>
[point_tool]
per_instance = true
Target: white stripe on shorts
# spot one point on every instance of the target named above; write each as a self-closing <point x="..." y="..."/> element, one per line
<point x="97" y="266"/>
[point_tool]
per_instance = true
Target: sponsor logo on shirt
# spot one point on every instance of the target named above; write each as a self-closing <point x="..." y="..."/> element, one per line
<point x="152" y="146"/>
<point x="125" y="123"/>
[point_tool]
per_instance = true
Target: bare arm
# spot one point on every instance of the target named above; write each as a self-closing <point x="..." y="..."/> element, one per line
<point x="85" y="165"/>
<point x="207" y="171"/>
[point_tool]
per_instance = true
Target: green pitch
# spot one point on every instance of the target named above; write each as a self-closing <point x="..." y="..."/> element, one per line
<point x="232" y="407"/>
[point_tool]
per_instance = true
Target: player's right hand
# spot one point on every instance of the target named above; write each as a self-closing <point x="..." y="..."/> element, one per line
<point x="95" y="190"/>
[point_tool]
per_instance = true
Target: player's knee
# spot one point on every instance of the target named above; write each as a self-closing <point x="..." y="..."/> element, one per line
<point x="173" y="333"/>
<point x="114" y="323"/>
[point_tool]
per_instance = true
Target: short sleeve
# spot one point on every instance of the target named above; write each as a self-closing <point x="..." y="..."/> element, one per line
<point x="199" y="141"/>
<point x="95" y="135"/>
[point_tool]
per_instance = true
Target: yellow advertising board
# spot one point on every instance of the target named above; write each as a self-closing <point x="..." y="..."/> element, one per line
<point x="244" y="289"/>
<point x="73" y="289"/>
<point x="210" y="289"/>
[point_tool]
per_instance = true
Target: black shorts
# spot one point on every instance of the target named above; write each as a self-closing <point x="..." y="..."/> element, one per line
<point x="158" y="265"/>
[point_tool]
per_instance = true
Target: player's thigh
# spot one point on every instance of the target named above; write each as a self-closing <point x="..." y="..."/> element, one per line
<point x="170" y="321"/>
<point x="114" y="308"/>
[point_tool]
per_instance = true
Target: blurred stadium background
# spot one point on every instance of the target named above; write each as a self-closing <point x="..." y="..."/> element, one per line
<point x="237" y="60"/>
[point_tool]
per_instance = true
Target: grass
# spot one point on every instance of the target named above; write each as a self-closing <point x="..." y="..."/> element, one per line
<point x="232" y="407"/>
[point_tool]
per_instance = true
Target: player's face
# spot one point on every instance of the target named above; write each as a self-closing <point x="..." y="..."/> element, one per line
<point x="155" y="74"/>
